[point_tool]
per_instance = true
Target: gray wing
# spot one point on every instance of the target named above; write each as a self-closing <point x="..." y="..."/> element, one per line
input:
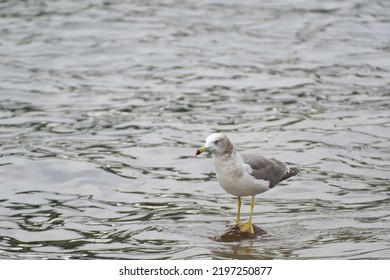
<point x="271" y="170"/>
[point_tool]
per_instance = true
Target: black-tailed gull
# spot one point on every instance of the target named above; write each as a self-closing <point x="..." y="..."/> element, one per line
<point x="244" y="174"/>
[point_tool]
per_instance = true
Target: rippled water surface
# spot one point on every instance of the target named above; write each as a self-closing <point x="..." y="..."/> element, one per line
<point x="104" y="103"/>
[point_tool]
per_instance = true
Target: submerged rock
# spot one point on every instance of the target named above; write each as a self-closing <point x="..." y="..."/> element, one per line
<point x="234" y="234"/>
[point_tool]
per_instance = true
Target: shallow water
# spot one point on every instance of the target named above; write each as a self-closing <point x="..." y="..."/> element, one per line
<point x="103" y="105"/>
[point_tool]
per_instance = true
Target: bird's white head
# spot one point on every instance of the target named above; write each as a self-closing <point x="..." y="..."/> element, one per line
<point x="216" y="144"/>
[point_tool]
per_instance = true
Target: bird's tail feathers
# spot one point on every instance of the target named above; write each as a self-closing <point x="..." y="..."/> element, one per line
<point x="291" y="172"/>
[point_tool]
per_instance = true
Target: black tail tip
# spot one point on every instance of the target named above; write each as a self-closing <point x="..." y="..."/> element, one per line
<point x="291" y="172"/>
<point x="294" y="171"/>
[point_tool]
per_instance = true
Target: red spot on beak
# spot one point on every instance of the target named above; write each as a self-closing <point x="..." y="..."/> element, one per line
<point x="198" y="152"/>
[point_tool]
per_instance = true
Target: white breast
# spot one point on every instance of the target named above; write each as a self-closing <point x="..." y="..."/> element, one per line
<point x="235" y="177"/>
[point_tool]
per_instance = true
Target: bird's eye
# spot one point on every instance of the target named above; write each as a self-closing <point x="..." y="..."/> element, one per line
<point x="216" y="142"/>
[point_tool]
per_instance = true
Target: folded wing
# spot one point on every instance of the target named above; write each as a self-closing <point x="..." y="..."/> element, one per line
<point x="269" y="169"/>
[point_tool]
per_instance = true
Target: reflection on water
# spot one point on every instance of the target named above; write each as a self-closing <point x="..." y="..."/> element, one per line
<point x="102" y="106"/>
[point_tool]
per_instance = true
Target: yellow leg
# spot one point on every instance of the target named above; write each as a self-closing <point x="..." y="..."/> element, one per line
<point x="238" y="210"/>
<point x="248" y="227"/>
<point x="252" y="206"/>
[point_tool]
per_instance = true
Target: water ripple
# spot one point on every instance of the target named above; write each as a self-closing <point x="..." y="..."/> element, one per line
<point x="102" y="106"/>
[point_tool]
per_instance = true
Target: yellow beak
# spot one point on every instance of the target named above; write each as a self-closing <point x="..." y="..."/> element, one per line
<point x="201" y="150"/>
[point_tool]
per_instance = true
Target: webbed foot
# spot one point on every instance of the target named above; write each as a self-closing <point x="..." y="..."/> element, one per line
<point x="246" y="227"/>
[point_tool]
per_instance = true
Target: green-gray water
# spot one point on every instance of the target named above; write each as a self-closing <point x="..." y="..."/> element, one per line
<point x="104" y="103"/>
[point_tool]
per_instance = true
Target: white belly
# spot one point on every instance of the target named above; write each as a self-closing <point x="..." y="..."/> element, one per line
<point x="234" y="178"/>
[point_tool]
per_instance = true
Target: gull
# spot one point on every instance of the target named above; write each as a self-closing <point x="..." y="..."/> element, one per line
<point x="244" y="174"/>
